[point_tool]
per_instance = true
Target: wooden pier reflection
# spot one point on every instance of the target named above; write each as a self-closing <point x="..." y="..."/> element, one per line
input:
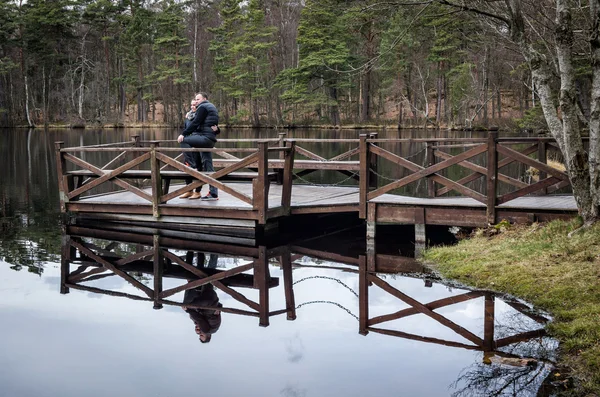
<point x="84" y="259"/>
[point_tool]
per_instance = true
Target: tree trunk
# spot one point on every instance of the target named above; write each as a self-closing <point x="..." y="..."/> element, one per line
<point x="595" y="107"/>
<point x="365" y="109"/>
<point x="334" y="111"/>
<point x="565" y="131"/>
<point x="438" y="103"/>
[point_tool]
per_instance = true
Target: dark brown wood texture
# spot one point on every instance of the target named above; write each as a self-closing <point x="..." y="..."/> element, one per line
<point x="261" y="200"/>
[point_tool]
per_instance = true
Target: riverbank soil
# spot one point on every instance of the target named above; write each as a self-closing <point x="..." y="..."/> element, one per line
<point x="543" y="266"/>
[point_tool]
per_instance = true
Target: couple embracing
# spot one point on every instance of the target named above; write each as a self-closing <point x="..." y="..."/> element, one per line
<point x="201" y="130"/>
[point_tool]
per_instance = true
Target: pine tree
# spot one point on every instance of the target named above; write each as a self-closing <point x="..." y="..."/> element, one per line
<point x="172" y="62"/>
<point x="322" y="39"/>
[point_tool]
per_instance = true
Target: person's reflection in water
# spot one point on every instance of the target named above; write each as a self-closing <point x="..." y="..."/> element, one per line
<point x="208" y="319"/>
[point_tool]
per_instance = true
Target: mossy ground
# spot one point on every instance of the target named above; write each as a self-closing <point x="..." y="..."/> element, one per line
<point x="542" y="265"/>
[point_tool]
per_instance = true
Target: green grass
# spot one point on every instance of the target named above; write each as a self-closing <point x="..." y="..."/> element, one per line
<point x="542" y="265"/>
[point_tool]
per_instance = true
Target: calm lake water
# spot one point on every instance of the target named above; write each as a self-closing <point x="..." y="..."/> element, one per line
<point x="96" y="343"/>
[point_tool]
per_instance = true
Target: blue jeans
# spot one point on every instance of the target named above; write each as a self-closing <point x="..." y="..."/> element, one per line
<point x="203" y="162"/>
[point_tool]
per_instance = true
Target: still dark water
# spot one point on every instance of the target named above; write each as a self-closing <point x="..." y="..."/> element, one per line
<point x="89" y="343"/>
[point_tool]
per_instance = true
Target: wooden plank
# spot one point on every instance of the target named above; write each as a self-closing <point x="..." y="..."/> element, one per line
<point x="288" y="178"/>
<point x="159" y="265"/>
<point x="541" y="185"/>
<point x="364" y="177"/>
<point x="156" y="184"/>
<point x="532" y="162"/>
<point x="241" y="223"/>
<point x="107" y="292"/>
<point x="524" y="336"/>
<point x="249" y="252"/>
<point x="211" y="230"/>
<point x="302" y="164"/>
<point x="483" y="171"/>
<point x="430" y="153"/>
<point x="363" y="296"/>
<point x="456" y="217"/>
<point x="325" y="255"/>
<point x="345" y="155"/>
<point x="488" y="323"/>
<point x="61" y="168"/>
<point x="261" y="277"/>
<point x="260" y="187"/>
<point x="230" y="239"/>
<point x="306" y="153"/>
<point x="288" y="285"/>
<point x="492" y="178"/>
<point x="420" y="338"/>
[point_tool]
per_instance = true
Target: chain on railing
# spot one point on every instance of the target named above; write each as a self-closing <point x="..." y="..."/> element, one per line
<point x="330" y="303"/>
<point x="327" y="278"/>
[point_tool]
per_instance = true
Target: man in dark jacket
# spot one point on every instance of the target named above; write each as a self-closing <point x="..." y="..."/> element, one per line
<point x="200" y="133"/>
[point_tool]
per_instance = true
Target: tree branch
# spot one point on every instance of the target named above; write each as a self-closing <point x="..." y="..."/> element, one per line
<point x="475" y="11"/>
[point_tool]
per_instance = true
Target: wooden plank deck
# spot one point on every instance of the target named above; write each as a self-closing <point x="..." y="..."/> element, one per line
<point x="253" y="202"/>
<point x="389" y="208"/>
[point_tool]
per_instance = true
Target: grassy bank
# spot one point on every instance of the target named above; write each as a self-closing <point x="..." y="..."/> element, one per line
<point x="540" y="264"/>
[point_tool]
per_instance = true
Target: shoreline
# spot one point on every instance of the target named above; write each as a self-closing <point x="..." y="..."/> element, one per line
<point x="555" y="273"/>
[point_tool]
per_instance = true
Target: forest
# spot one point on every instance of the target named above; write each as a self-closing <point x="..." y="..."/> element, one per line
<point x="263" y="62"/>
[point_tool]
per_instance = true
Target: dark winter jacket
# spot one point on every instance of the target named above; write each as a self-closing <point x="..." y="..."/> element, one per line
<point x="207" y="115"/>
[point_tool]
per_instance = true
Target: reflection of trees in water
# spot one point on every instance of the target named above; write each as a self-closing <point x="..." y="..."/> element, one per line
<point x="27" y="241"/>
<point x="516" y="370"/>
<point x="501" y="380"/>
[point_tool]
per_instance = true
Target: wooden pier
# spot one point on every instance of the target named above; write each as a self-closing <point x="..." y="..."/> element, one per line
<point x="262" y="182"/>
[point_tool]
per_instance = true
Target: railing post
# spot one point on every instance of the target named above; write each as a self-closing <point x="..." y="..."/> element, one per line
<point x="280" y="176"/>
<point x="430" y="162"/>
<point x="288" y="177"/>
<point x="542" y="158"/>
<point x="156" y="180"/>
<point x="260" y="184"/>
<point x="159" y="263"/>
<point x="373" y="165"/>
<point x="492" y="177"/>
<point x="63" y="184"/>
<point x="488" y="323"/>
<point x="288" y="283"/>
<point x="363" y="296"/>
<point x="65" y="260"/>
<point x="261" y="280"/>
<point x="363" y="182"/>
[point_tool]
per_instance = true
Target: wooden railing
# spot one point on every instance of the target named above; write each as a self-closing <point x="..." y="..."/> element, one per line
<point x="72" y="183"/>
<point x="550" y="179"/>
<point x="483" y="158"/>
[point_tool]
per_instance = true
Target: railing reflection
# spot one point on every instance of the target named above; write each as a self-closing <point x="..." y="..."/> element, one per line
<point x="85" y="259"/>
